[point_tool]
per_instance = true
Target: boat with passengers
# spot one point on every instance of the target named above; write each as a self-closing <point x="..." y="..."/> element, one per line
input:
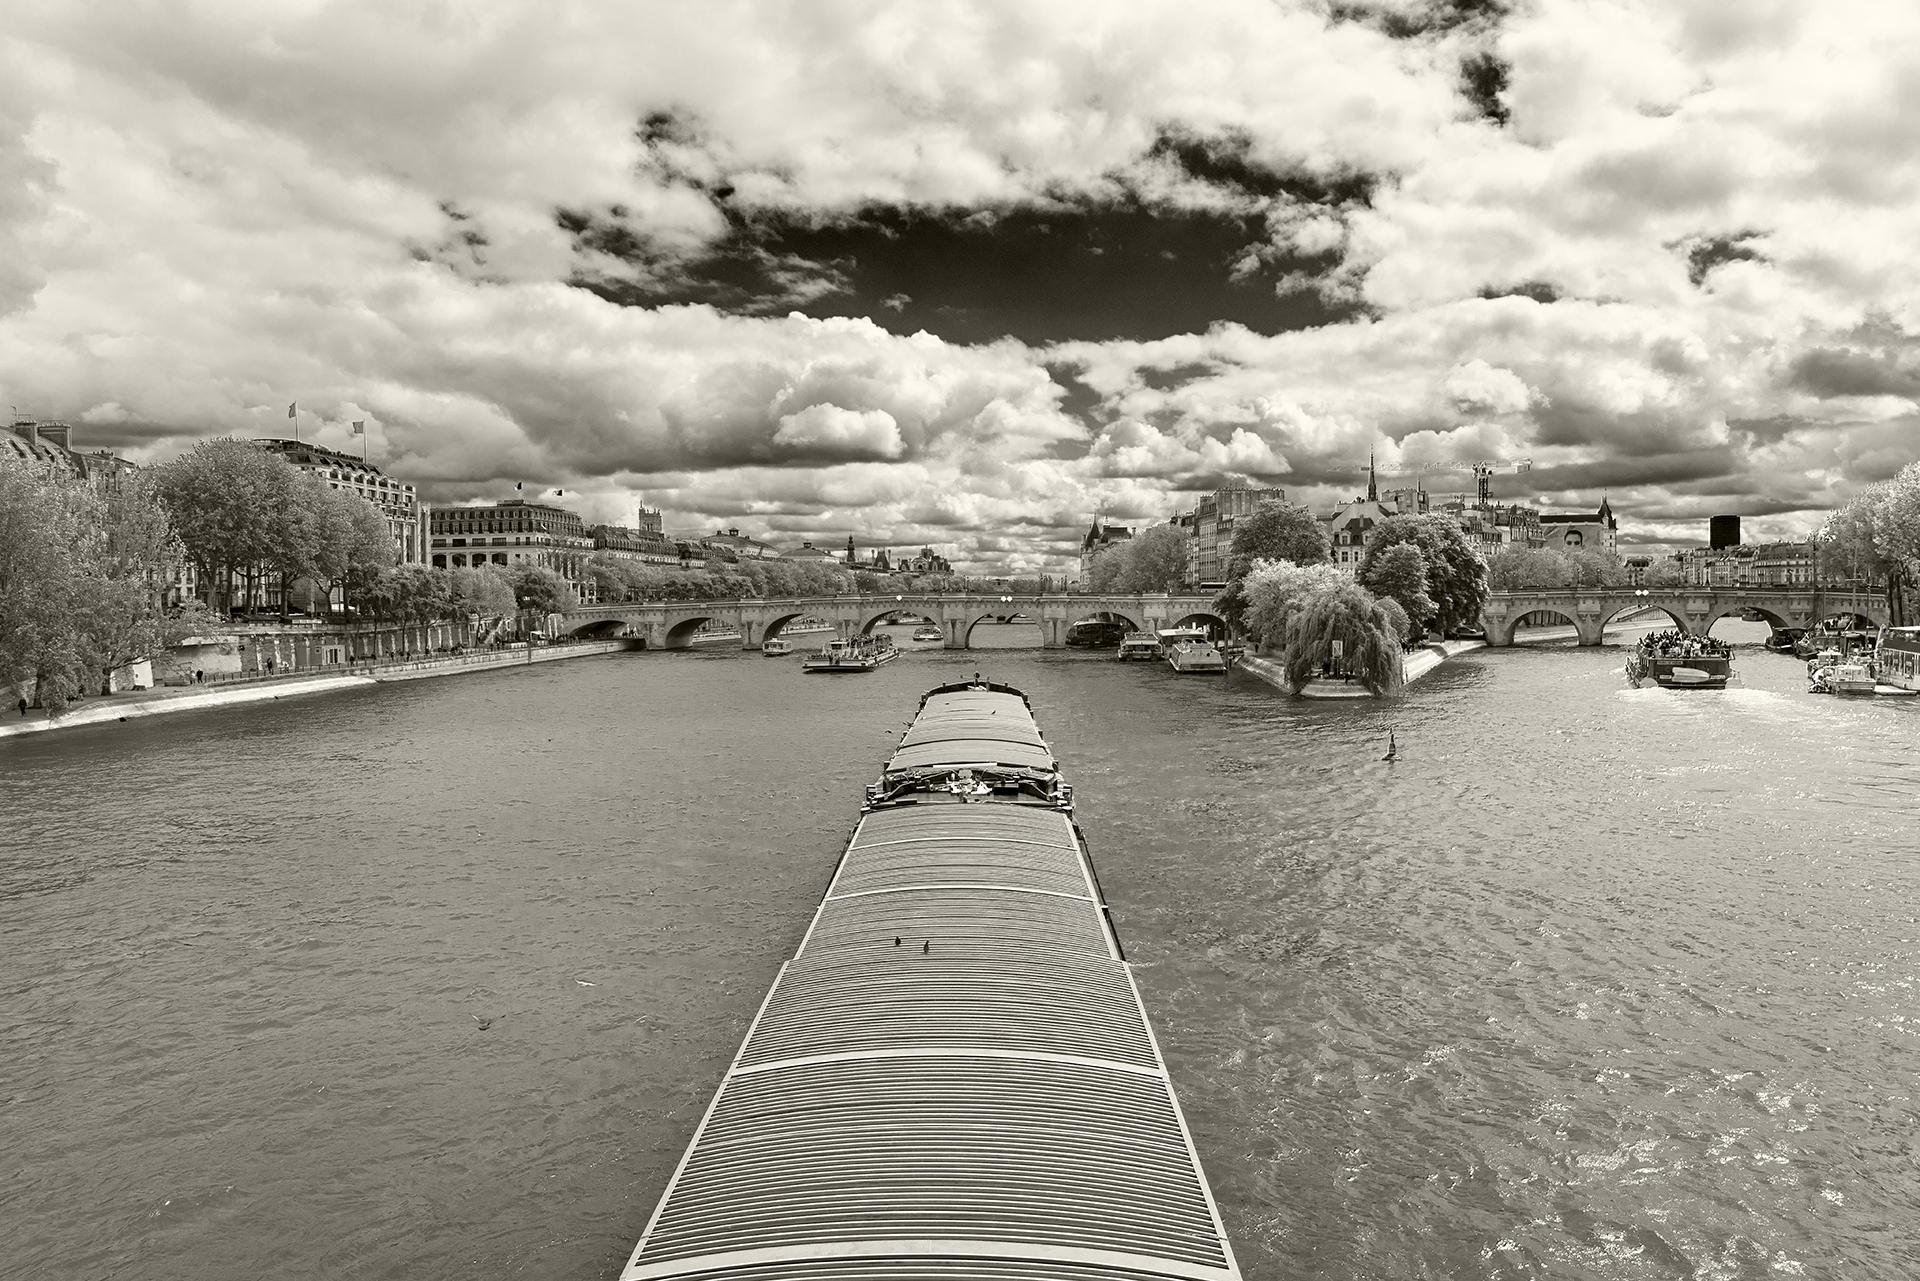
<point x="1677" y="660"/>
<point x="953" y="1075"/>
<point x="847" y="657"/>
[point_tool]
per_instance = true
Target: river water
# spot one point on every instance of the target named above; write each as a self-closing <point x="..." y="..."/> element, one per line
<point x="432" y="980"/>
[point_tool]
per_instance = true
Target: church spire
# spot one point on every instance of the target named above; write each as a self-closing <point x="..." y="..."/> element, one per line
<point x="1373" y="490"/>
<point x="849" y="549"/>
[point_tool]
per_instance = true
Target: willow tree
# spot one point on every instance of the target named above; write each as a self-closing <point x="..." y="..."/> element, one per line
<point x="1367" y="635"/>
<point x="1274" y="590"/>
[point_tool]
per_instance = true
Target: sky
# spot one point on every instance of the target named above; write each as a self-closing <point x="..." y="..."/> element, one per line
<point x="970" y="274"/>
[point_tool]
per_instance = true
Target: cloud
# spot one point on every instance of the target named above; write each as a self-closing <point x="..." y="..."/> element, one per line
<point x="565" y="243"/>
<point x="830" y="432"/>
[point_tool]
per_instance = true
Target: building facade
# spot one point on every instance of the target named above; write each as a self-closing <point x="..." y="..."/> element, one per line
<point x="1100" y="536"/>
<point x="509" y="534"/>
<point x="648" y="546"/>
<point x="1571" y="531"/>
<point x="50" y="445"/>
<point x="395" y="499"/>
<point x="1211" y="525"/>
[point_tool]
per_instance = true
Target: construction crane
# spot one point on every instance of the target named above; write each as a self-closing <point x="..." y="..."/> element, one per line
<point x="1482" y="470"/>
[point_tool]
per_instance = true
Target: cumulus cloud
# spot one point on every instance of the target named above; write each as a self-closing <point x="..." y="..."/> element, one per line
<point x="1675" y="261"/>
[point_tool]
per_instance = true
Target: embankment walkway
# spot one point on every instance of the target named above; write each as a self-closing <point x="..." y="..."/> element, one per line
<point x="1415" y="665"/>
<point x="138" y="704"/>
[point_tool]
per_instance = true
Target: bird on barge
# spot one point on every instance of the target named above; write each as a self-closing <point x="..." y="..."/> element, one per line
<point x="954" y="1075"/>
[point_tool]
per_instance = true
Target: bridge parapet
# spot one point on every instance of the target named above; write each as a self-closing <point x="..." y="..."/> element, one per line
<point x="671" y="624"/>
<point x="1692" y="609"/>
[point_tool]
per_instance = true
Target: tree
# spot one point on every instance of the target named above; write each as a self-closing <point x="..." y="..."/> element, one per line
<point x="410" y="594"/>
<point x="482" y="590"/>
<point x="1520" y="568"/>
<point x="43" y="525"/>
<point x="1344" y="613"/>
<point x="539" y="589"/>
<point x="1109" y="565"/>
<point x="1274" y="532"/>
<point x="1277" y="531"/>
<point x="1275" y="590"/>
<point x="229" y="503"/>
<point x="1456" y="576"/>
<point x="1877" y="534"/>
<point x="1155" y="560"/>
<point x="1399" y="574"/>
<point x="1595" y="567"/>
<point x="1667" y="572"/>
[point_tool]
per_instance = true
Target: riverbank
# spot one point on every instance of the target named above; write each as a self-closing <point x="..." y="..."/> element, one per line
<point x="1414" y="666"/>
<point x="139" y="704"/>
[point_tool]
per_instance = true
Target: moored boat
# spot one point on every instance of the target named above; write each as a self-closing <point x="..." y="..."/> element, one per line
<point x="1138" y="645"/>
<point x="1681" y="662"/>
<point x="1189" y="655"/>
<point x="1829" y="673"/>
<point x="927" y="633"/>
<point x="1897" y="660"/>
<point x="1095" y="634"/>
<point x="775" y="647"/>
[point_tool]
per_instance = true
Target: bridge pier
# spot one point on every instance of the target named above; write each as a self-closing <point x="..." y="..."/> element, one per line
<point x="1053" y="633"/>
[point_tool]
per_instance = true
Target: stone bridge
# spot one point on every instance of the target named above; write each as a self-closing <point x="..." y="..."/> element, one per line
<point x="1692" y="609"/>
<point x="673" y="624"/>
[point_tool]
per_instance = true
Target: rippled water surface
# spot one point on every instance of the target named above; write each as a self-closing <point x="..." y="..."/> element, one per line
<point x="433" y="980"/>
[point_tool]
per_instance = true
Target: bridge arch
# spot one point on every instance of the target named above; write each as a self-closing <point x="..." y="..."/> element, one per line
<point x="918" y="613"/>
<point x="1002" y="613"/>
<point x="601" y="629"/>
<point x="680" y="632"/>
<point x="1105" y="614"/>
<point x="1675" y="616"/>
<point x="1500" y="632"/>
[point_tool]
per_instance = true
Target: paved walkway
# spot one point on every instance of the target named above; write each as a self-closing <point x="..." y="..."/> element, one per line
<point x="1417" y="664"/>
<point x="136" y="704"/>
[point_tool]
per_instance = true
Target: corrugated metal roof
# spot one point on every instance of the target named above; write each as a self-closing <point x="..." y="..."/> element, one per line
<point x="953" y="1076"/>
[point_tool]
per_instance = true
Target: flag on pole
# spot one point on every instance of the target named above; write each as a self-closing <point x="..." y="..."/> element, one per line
<point x="360" y="427"/>
<point x="290" y="409"/>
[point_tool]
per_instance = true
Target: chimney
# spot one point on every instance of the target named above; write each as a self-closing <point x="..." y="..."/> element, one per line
<point x="59" y="433"/>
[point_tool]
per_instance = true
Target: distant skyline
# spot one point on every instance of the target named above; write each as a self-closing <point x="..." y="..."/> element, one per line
<point x="968" y="274"/>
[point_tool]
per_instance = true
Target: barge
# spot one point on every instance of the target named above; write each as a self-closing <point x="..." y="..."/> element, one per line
<point x="954" y="1075"/>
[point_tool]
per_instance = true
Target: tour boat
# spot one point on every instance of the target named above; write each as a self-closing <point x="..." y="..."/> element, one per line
<point x="928" y="633"/>
<point x="774" y="647"/>
<point x="861" y="654"/>
<point x="1694" y="664"/>
<point x="1189" y="655"/>
<point x="1138" y="645"/>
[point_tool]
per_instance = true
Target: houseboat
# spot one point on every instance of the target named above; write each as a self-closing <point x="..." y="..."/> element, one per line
<point x="861" y="654"/>
<point x="1096" y="634"/>
<point x="1897" y="661"/>
<point x="775" y="647"/>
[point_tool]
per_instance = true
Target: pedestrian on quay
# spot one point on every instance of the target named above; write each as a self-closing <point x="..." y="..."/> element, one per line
<point x="199" y="677"/>
<point x="23" y="707"/>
